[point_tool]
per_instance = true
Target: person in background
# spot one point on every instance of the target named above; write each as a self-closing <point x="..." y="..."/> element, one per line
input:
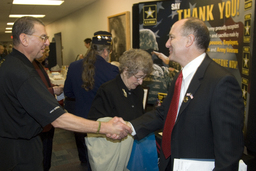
<point x="2" y="52"/>
<point x="44" y="60"/>
<point x="5" y="50"/>
<point x="9" y="49"/>
<point x="122" y="96"/>
<point x="208" y="122"/>
<point x="48" y="131"/>
<point x="84" y="77"/>
<point x="87" y="44"/>
<point x="160" y="79"/>
<point x="173" y="66"/>
<point x="27" y="106"/>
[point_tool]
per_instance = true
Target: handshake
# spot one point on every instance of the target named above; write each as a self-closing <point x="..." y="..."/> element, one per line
<point x="116" y="128"/>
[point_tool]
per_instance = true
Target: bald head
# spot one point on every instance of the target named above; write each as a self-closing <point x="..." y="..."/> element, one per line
<point x="188" y="38"/>
<point x="198" y="28"/>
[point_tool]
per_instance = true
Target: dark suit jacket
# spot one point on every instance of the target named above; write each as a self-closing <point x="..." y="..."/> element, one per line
<point x="209" y="126"/>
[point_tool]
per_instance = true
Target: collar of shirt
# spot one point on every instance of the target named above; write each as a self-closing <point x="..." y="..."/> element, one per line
<point x="190" y="69"/>
<point x="188" y="72"/>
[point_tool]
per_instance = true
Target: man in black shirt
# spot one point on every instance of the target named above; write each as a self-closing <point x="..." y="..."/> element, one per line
<point x="26" y="106"/>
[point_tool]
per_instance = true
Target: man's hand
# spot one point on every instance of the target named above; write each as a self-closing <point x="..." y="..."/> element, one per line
<point x="117" y="128"/>
<point x="161" y="56"/>
<point x="81" y="56"/>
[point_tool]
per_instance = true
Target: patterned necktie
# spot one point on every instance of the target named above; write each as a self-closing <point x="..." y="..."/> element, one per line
<point x="171" y="117"/>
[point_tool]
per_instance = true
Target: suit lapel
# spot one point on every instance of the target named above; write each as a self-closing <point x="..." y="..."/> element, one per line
<point x="195" y="84"/>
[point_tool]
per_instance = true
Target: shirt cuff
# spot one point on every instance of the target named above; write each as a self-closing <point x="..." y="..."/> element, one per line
<point x="133" y="130"/>
<point x="60" y="97"/>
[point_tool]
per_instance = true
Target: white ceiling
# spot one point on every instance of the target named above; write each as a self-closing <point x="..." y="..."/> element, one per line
<point x="52" y="13"/>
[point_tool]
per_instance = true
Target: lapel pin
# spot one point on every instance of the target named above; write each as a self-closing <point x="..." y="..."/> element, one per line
<point x="186" y="97"/>
<point x="125" y="94"/>
<point x="190" y="95"/>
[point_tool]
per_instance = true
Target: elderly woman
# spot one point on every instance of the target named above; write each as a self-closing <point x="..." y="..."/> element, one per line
<point x="123" y="97"/>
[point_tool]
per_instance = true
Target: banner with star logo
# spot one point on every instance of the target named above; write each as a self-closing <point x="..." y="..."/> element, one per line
<point x="231" y="24"/>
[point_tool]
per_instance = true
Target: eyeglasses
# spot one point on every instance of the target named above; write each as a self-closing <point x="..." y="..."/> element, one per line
<point x="44" y="38"/>
<point x="140" y="77"/>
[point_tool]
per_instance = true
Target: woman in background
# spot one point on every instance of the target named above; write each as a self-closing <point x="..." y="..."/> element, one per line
<point x="84" y="77"/>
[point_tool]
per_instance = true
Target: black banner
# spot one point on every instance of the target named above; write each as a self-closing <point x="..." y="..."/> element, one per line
<point x="231" y="24"/>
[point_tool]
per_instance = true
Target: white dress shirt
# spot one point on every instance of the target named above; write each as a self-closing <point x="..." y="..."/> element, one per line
<point x="188" y="73"/>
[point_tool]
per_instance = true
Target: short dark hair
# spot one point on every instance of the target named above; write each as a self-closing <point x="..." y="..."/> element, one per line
<point x="198" y="28"/>
<point x="24" y="25"/>
<point x="87" y="40"/>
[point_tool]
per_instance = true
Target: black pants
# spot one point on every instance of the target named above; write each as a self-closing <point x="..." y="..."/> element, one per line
<point x="47" y="139"/>
<point x="82" y="149"/>
<point x="21" y="154"/>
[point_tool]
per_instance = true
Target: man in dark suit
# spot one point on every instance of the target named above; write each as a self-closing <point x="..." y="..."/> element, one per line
<point x="209" y="119"/>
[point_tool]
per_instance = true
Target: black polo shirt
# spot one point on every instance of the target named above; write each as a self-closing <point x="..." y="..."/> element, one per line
<point x="26" y="106"/>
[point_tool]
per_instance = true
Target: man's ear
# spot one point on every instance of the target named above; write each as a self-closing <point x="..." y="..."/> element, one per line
<point x="190" y="40"/>
<point x="24" y="40"/>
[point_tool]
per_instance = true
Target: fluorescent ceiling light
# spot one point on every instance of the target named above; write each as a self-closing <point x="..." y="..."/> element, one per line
<point x="8" y="28"/>
<point x="22" y="15"/>
<point x="38" y="2"/>
<point x="10" y="23"/>
<point x="8" y="31"/>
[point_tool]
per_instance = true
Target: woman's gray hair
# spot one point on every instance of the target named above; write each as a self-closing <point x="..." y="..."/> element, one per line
<point x="100" y="48"/>
<point x="136" y="60"/>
